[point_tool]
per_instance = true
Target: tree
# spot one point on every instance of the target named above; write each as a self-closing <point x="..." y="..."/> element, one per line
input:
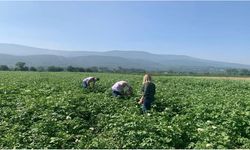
<point x="244" y="72"/>
<point x="4" y="68"/>
<point x="88" y="70"/>
<point x="33" y="69"/>
<point x="20" y="66"/>
<point x="94" y="69"/>
<point x="40" y="69"/>
<point x="81" y="69"/>
<point x="104" y="69"/>
<point x="232" y="71"/>
<point x="55" y="69"/>
<point x="75" y="69"/>
<point x="71" y="69"/>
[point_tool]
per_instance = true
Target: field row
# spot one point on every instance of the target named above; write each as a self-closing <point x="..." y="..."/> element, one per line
<point x="51" y="110"/>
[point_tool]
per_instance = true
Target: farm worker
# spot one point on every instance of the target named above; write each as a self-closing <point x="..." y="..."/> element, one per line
<point x="121" y="88"/>
<point x="148" y="92"/>
<point x="87" y="81"/>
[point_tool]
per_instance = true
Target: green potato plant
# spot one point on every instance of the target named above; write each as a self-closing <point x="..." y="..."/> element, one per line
<point x="52" y="110"/>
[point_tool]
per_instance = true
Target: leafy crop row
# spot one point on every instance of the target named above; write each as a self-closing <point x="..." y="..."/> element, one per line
<point x="51" y="110"/>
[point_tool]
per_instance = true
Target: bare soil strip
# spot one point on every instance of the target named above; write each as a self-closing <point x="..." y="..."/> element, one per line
<point x="228" y="78"/>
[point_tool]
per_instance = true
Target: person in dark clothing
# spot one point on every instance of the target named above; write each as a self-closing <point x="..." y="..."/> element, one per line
<point x="148" y="92"/>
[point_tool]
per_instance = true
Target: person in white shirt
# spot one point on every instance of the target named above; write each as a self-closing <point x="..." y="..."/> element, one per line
<point x="121" y="88"/>
<point x="87" y="81"/>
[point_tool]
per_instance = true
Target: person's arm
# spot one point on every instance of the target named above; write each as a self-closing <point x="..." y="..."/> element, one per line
<point x="130" y="90"/>
<point x="92" y="80"/>
<point x="146" y="89"/>
<point x="143" y="91"/>
<point x="141" y="100"/>
<point x="123" y="86"/>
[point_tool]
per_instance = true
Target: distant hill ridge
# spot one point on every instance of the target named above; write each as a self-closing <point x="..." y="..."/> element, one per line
<point x="12" y="53"/>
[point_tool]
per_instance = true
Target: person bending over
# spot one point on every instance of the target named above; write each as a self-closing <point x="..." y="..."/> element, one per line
<point x="121" y="88"/>
<point x="89" y="82"/>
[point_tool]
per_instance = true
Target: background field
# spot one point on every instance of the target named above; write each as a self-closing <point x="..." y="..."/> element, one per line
<point x="51" y="110"/>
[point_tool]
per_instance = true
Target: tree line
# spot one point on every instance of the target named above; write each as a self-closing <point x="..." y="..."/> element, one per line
<point x="223" y="72"/>
<point x="21" y="66"/>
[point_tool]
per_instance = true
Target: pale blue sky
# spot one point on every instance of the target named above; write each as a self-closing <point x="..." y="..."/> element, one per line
<point x="210" y="30"/>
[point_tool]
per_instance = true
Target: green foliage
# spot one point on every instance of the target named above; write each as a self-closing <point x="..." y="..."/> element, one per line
<point x="32" y="69"/>
<point x="4" y="68"/>
<point x="20" y="66"/>
<point x="52" y="110"/>
<point x="55" y="69"/>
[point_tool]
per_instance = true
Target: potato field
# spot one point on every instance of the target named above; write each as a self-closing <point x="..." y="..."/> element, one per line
<point x="52" y="110"/>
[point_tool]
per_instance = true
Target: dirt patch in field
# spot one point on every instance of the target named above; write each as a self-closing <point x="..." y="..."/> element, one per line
<point x="228" y="78"/>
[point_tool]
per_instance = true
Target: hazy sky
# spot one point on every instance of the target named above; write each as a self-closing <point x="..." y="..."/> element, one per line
<point x="211" y="30"/>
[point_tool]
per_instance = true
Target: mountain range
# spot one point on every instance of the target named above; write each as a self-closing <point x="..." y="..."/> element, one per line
<point x="12" y="53"/>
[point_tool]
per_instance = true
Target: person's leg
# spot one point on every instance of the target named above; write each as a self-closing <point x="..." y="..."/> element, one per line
<point x="85" y="85"/>
<point x="116" y="93"/>
<point x="143" y="107"/>
<point x="113" y="93"/>
<point x="146" y="106"/>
